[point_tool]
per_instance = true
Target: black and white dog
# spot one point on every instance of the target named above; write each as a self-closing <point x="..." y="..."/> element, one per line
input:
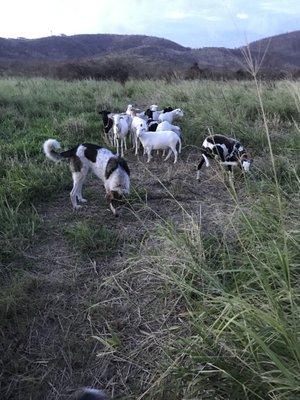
<point x="111" y="169"/>
<point x="229" y="151"/>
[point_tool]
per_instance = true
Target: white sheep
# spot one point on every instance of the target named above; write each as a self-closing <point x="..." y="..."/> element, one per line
<point x="160" y="140"/>
<point x="136" y="122"/>
<point x="133" y="111"/>
<point x="171" y="115"/>
<point x="121" y="126"/>
<point x="129" y="109"/>
<point x="166" y="126"/>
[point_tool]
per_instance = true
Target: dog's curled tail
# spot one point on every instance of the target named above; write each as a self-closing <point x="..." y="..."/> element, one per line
<point x="49" y="146"/>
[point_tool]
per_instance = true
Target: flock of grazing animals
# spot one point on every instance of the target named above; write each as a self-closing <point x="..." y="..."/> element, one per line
<point x="153" y="129"/>
<point x="138" y="125"/>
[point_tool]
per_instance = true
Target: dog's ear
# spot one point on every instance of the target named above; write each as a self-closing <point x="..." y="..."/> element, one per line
<point x="124" y="165"/>
<point x="111" y="166"/>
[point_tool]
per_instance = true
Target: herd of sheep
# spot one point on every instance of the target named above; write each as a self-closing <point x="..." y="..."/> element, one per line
<point x="140" y="126"/>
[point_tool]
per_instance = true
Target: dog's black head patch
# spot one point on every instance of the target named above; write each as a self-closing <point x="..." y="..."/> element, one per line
<point x="113" y="164"/>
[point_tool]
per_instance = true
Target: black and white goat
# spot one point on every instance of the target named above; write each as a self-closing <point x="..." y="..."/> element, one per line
<point x="153" y="113"/>
<point x="152" y="125"/>
<point x="229" y="151"/>
<point x="111" y="169"/>
<point x="107" y="118"/>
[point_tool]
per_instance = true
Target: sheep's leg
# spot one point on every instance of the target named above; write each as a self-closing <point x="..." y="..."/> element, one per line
<point x="118" y="144"/>
<point x="136" y="145"/>
<point x="125" y="144"/>
<point x="179" y="141"/>
<point x="168" y="155"/>
<point x="148" y="150"/>
<point x="175" y="152"/>
<point x="122" y="147"/>
<point x="115" y="141"/>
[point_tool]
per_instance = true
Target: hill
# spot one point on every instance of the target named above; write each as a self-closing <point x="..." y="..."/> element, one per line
<point x="62" y="47"/>
<point x="38" y="55"/>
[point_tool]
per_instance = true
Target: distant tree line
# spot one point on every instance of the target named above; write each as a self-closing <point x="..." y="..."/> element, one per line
<point x="266" y="73"/>
<point x="122" y="69"/>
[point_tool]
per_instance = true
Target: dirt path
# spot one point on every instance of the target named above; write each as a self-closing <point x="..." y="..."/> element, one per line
<point x="95" y="322"/>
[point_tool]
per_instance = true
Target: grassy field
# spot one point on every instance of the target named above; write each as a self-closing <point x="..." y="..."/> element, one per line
<point x="193" y="292"/>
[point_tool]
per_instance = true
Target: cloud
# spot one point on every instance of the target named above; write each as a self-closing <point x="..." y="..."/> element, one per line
<point x="205" y="14"/>
<point x="242" y="15"/>
<point x="177" y="14"/>
<point x="291" y="7"/>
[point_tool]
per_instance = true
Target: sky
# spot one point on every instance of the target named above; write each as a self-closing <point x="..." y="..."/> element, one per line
<point x="192" y="23"/>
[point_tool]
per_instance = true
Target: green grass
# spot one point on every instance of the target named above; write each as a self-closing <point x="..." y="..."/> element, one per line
<point x="240" y="293"/>
<point x="92" y="240"/>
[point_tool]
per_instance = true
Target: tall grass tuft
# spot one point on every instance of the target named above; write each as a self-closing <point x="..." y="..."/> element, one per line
<point x="239" y="304"/>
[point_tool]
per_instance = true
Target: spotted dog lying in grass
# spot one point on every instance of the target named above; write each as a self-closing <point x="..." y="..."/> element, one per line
<point x="229" y="151"/>
<point x="111" y="169"/>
